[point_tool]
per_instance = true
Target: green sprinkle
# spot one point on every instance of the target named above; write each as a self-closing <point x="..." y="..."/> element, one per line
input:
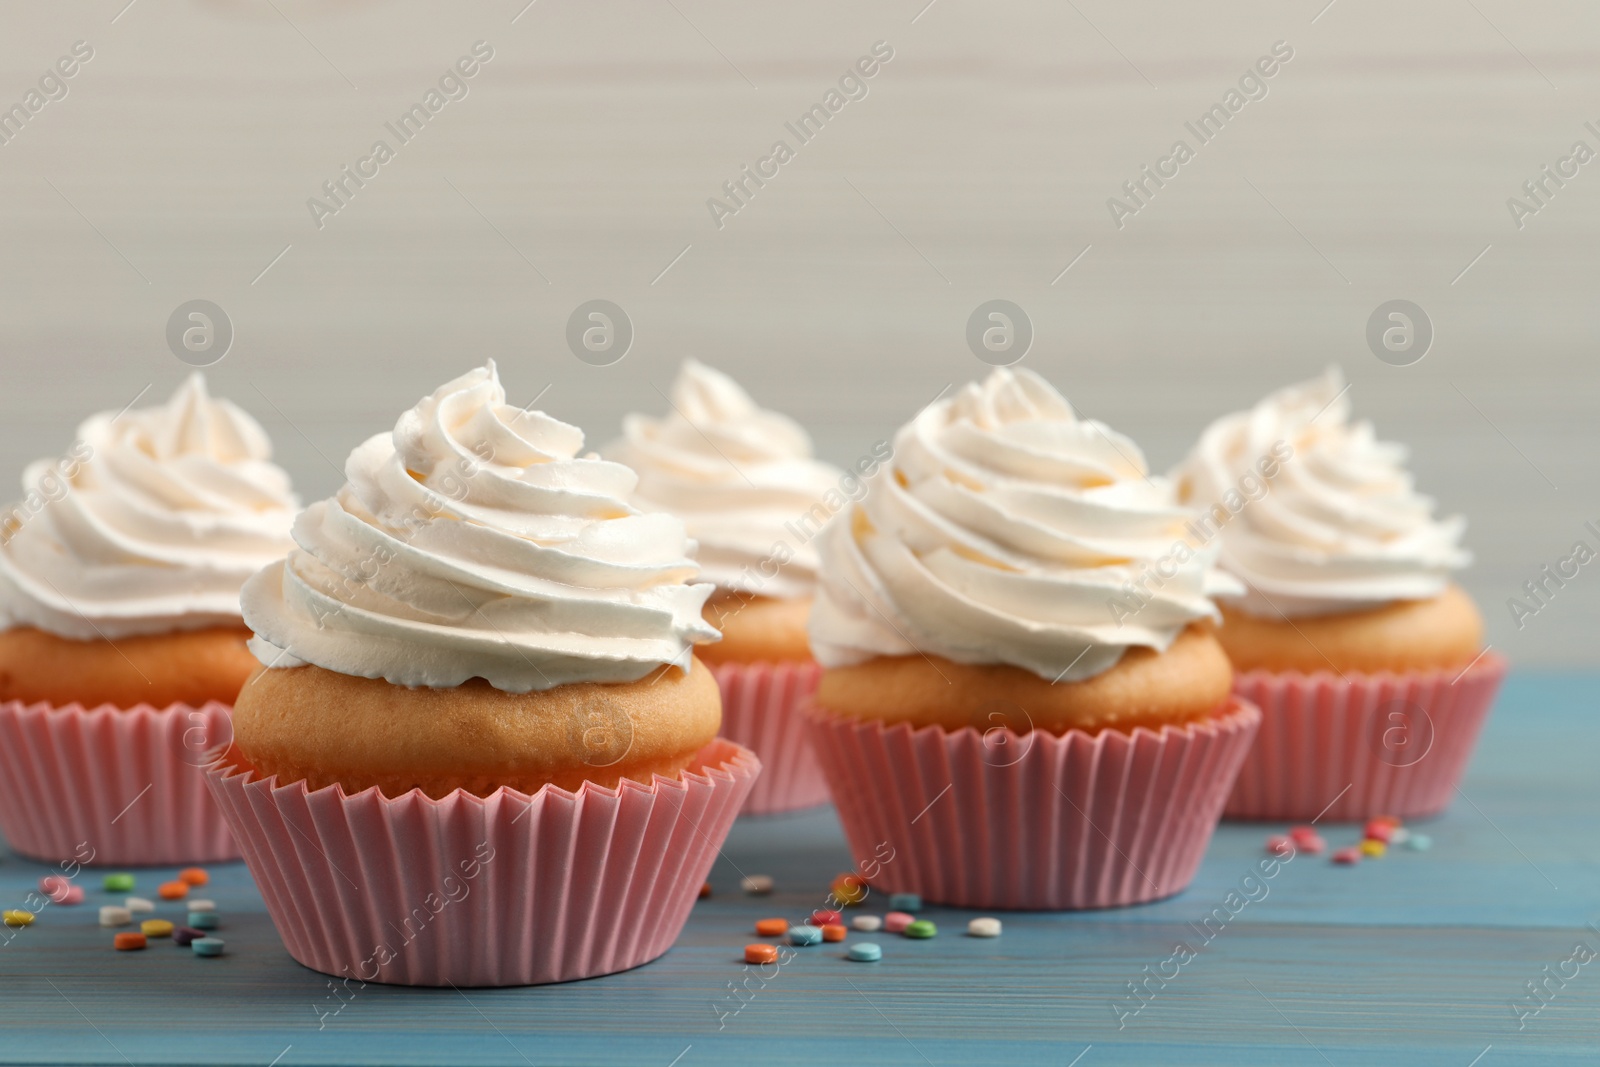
<point x="118" y="883"/>
<point x="1419" y="842"/>
<point x="921" y="929"/>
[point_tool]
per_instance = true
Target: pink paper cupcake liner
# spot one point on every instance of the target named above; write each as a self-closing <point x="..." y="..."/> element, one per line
<point x="127" y="783"/>
<point x="1360" y="746"/>
<point x="483" y="891"/>
<point x="1032" y="821"/>
<point x="762" y="709"/>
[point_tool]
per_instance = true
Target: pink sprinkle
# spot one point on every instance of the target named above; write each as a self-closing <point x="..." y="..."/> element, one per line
<point x="1312" y="844"/>
<point x="824" y="917"/>
<point x="896" y="921"/>
<point x="1279" y="845"/>
<point x="1304" y="833"/>
<point x="60" y="890"/>
<point x="1351" y="856"/>
<point x="1380" y="830"/>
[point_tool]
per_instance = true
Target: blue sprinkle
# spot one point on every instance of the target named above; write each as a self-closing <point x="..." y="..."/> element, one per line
<point x="805" y="935"/>
<point x="905" y="902"/>
<point x="207" y="946"/>
<point x="1419" y="842"/>
<point x="203" y="920"/>
<point x="865" y="952"/>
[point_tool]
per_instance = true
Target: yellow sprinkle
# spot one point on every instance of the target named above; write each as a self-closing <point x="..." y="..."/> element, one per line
<point x="1373" y="847"/>
<point x="156" y="928"/>
<point x="18" y="917"/>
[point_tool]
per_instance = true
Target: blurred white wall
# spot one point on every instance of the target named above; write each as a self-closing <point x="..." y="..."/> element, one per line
<point x="978" y="165"/>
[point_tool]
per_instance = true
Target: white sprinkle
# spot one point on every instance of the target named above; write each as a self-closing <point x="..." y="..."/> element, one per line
<point x="202" y="905"/>
<point x="111" y="915"/>
<point x="983" y="928"/>
<point x="759" y="884"/>
<point x="139" y="905"/>
<point x="867" y="923"/>
<point x="1399" y="835"/>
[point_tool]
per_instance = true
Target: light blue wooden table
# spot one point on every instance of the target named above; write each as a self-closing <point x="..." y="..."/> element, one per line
<point x="1414" y="959"/>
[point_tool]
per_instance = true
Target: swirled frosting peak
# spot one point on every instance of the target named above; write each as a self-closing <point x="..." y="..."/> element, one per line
<point x="149" y="524"/>
<point x="1338" y="527"/>
<point x="475" y="542"/>
<point x="1008" y="530"/>
<point x="735" y="474"/>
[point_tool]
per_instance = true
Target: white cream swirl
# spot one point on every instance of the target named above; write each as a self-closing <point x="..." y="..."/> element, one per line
<point x="150" y="524"/>
<point x="736" y="474"/>
<point x="1005" y="531"/>
<point x="474" y="542"/>
<point x="1339" y="527"/>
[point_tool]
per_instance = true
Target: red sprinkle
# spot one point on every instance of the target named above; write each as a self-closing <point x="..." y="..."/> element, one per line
<point x="705" y="891"/>
<point x="821" y="917"/>
<point x="1313" y="844"/>
<point x="1379" y="830"/>
<point x="1304" y="833"/>
<point x="1351" y="856"/>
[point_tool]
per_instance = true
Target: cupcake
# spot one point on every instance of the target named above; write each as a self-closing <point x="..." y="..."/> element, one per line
<point x="1366" y="660"/>
<point x="1022" y="701"/>
<point x="122" y="646"/>
<point x="478" y="692"/>
<point x="748" y="490"/>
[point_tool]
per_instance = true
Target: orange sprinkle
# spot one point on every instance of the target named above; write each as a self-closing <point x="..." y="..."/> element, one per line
<point x="757" y="953"/>
<point x="850" y="889"/>
<point x="193" y="876"/>
<point x="772" y="927"/>
<point x="705" y="891"/>
<point x="833" y="932"/>
<point x="173" y="890"/>
<point x="129" y="942"/>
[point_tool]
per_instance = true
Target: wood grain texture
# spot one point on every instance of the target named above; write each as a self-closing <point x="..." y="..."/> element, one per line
<point x="1415" y="958"/>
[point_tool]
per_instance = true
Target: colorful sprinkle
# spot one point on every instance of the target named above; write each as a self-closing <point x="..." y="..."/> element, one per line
<point x="805" y="935"/>
<point x="211" y="946"/>
<point x="129" y="942"/>
<point x="1298" y="834"/>
<point x="1280" y="845"/>
<point x="849" y="889"/>
<point x="864" y="952"/>
<point x="1379" y="831"/>
<point x="203" y="920"/>
<point x="983" y="928"/>
<point x="824" y="917"/>
<point x="139" y="905"/>
<point x="183" y="936"/>
<point x="1349" y="856"/>
<point x="118" y="883"/>
<point x="922" y="929"/>
<point x="867" y="924"/>
<point x="17" y="917"/>
<point x="896" y="921"/>
<point x="705" y="891"/>
<point x="834" y="932"/>
<point x="758" y="884"/>
<point x="1419" y="842"/>
<point x="113" y="915"/>
<point x="202" y="905"/>
<point x="772" y="927"/>
<point x="1373" y="847"/>
<point x="156" y="928"/>
<point x="1313" y="845"/>
<point x="752" y="953"/>
<point x="1400" y="836"/>
<point x="173" y="890"/>
<point x="905" y="902"/>
<point x="61" y="890"/>
<point x="193" y="876"/>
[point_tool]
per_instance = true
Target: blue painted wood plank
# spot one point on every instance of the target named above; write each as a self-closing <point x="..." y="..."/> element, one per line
<point x="1418" y="958"/>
